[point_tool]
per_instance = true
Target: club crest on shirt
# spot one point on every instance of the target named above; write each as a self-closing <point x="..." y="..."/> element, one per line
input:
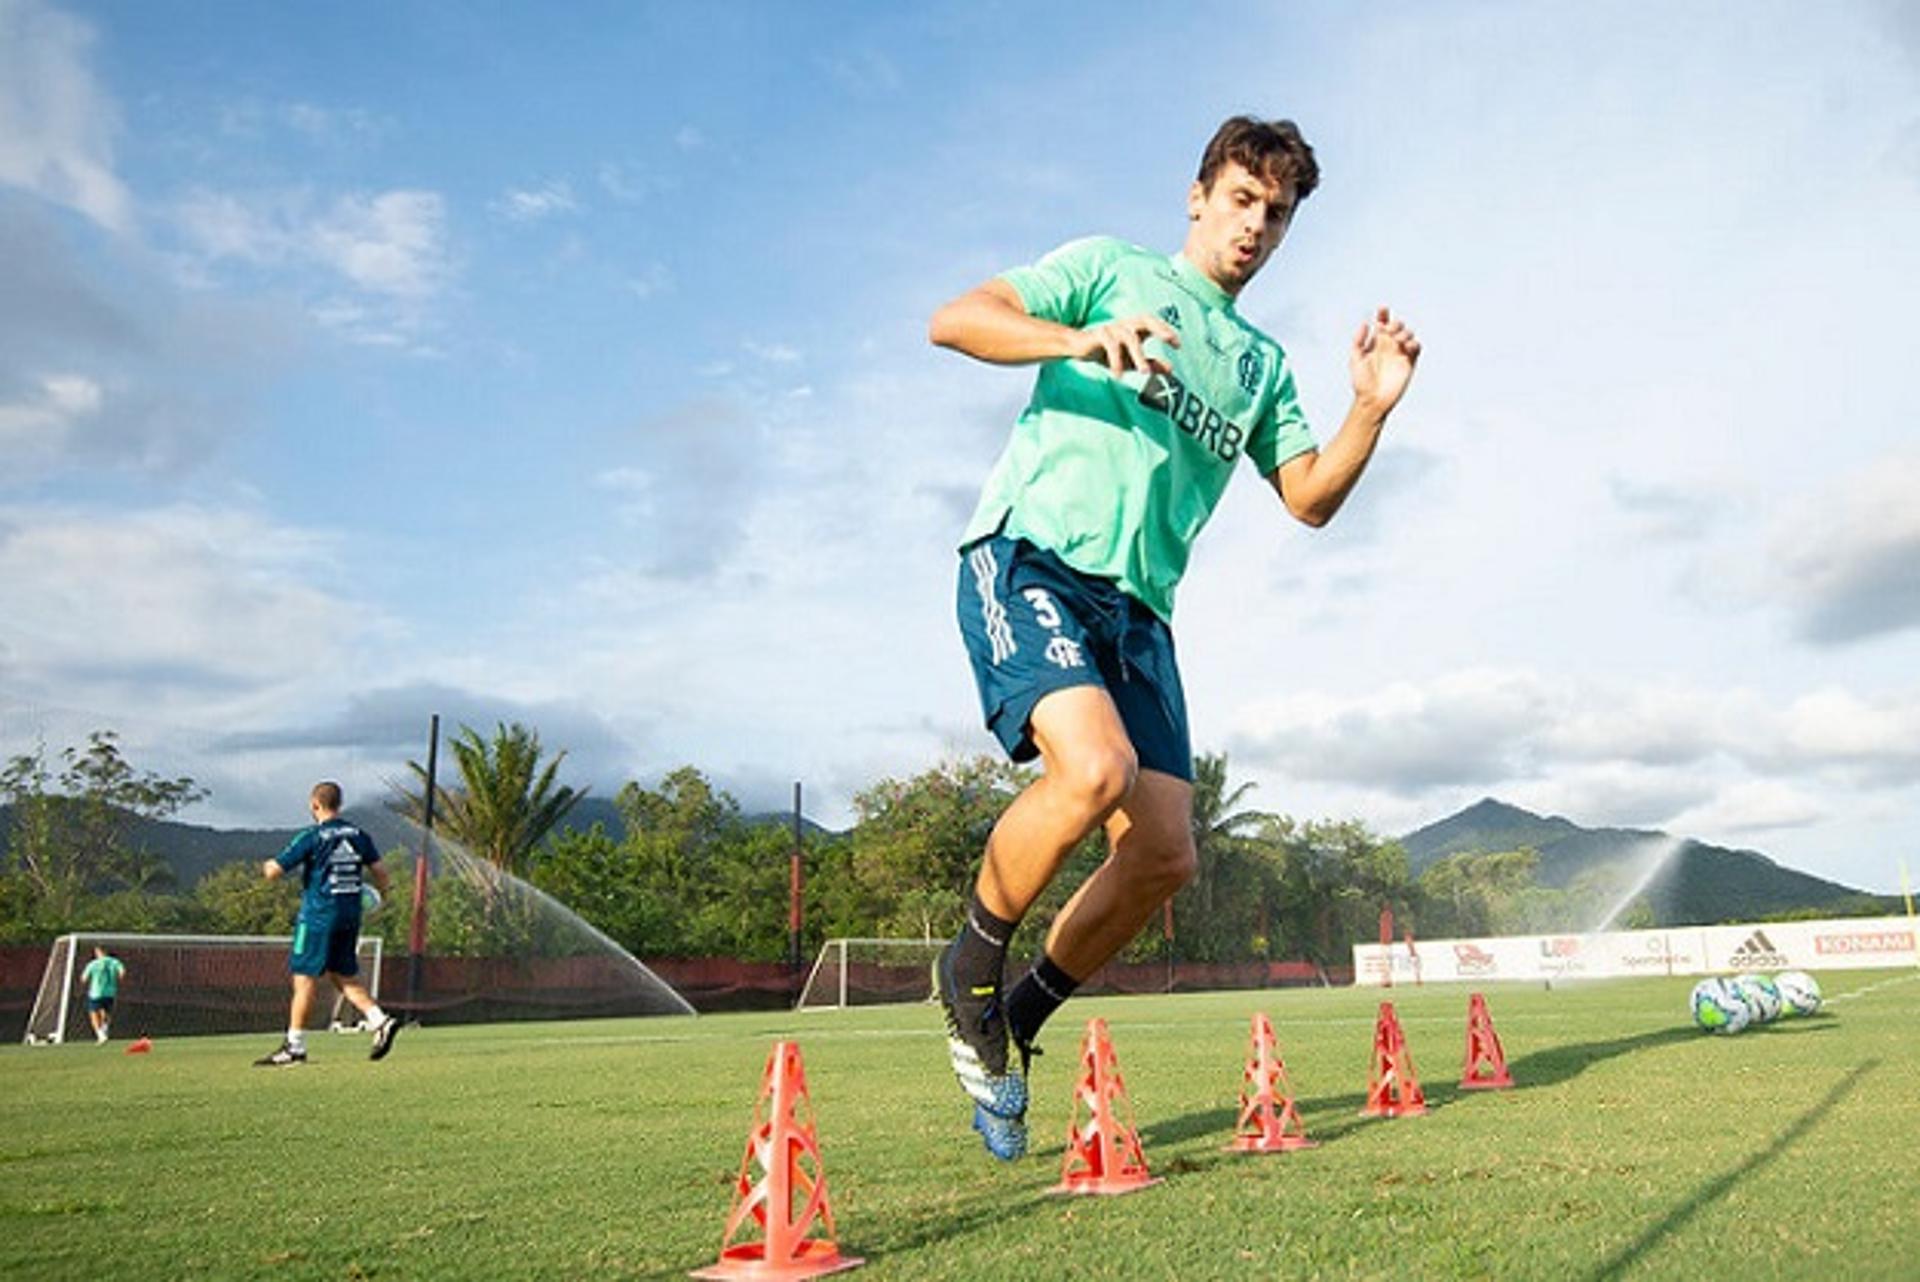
<point x="1171" y="314"/>
<point x="1248" y="367"/>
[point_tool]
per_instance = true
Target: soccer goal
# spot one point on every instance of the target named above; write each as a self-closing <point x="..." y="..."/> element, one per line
<point x="178" y="985"/>
<point x="870" y="972"/>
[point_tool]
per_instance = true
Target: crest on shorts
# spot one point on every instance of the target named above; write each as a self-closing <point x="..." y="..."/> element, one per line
<point x="1250" y="371"/>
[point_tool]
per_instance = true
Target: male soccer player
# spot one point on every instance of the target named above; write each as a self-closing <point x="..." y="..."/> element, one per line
<point x="1151" y="387"/>
<point x="102" y="976"/>
<point x="333" y="856"/>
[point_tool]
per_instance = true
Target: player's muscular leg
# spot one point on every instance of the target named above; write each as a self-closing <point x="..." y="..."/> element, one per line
<point x="1151" y="855"/>
<point x="1089" y="768"/>
<point x="303" y="988"/>
<point x="355" y="991"/>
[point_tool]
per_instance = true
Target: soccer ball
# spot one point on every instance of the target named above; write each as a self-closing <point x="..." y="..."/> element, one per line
<point x="1799" y="994"/>
<point x="1719" y="1008"/>
<point x="1760" y="993"/>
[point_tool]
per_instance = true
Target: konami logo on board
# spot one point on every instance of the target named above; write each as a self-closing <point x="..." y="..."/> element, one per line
<point x="1864" y="941"/>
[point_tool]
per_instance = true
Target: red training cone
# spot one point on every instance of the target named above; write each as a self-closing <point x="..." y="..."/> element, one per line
<point x="1393" y="1090"/>
<point x="1483" y="1051"/>
<point x="788" y="1154"/>
<point x="140" y="1046"/>
<point x="1104" y="1156"/>
<point x="1269" y="1122"/>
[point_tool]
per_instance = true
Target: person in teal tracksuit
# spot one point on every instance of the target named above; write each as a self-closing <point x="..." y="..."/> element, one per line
<point x="335" y="860"/>
<point x="102" y="977"/>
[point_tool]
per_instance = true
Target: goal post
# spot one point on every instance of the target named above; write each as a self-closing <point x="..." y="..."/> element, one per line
<point x="870" y="972"/>
<point x="179" y="985"/>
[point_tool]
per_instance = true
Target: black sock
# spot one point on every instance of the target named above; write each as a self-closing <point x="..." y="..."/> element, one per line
<point x="980" y="952"/>
<point x="1037" y="995"/>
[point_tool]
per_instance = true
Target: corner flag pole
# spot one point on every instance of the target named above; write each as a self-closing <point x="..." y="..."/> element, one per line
<point x="417" y="932"/>
<point x="793" y="888"/>
<point x="1906" y="892"/>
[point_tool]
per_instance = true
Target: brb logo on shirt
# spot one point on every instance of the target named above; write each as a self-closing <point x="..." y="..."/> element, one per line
<point x="1193" y="416"/>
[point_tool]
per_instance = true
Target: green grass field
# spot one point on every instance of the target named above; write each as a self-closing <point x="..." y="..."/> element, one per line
<point x="1632" y="1146"/>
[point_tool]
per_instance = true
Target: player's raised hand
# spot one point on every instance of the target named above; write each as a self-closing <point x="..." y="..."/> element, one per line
<point x="1381" y="361"/>
<point x="1122" y="344"/>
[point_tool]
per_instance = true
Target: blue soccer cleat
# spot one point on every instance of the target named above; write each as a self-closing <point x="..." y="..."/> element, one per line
<point x="977" y="1046"/>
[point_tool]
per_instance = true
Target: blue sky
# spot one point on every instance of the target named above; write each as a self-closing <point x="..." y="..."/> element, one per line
<point x="570" y="367"/>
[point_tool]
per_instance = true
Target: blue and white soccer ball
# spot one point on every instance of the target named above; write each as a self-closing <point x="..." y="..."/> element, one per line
<point x="1759" y="993"/>
<point x="1719" y="1007"/>
<point x="1799" y="993"/>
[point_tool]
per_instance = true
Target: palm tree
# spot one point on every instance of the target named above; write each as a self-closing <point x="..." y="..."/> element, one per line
<point x="506" y="803"/>
<point x="1217" y="831"/>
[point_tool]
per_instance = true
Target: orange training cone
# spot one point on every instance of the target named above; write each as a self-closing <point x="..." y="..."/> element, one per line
<point x="1394" y="1088"/>
<point x="1483" y="1051"/>
<point x="1269" y="1122"/>
<point x="788" y="1154"/>
<point x="140" y="1046"/>
<point x="1104" y="1156"/>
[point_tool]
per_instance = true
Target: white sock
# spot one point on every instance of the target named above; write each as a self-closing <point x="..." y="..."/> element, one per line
<point x="373" y="1016"/>
<point x="297" y="1039"/>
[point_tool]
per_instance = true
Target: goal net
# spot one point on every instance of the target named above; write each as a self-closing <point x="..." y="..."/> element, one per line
<point x="870" y="972"/>
<point x="180" y="985"/>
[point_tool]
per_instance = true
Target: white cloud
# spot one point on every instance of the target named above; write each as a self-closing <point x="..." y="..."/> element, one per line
<point x="1743" y="810"/>
<point x="864" y="73"/>
<point x="56" y="124"/>
<point x="1608" y="749"/>
<point x="653" y="279"/>
<point x="773" y="353"/>
<point x="58" y="400"/>
<point x="1848" y="561"/>
<point x="527" y="205"/>
<point x="111" y="607"/>
<point x="391" y="244"/>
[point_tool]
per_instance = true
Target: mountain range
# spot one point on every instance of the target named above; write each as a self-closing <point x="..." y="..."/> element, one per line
<point x="1694" y="882"/>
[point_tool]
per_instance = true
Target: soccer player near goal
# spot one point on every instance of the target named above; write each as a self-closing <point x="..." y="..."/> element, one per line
<point x="333" y="857"/>
<point x="1150" y="389"/>
<point x="102" y="977"/>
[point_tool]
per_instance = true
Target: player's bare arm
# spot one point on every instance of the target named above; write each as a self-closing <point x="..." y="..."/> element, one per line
<point x="382" y="881"/>
<point x="272" y="870"/>
<point x="1380" y="361"/>
<point x="991" y="324"/>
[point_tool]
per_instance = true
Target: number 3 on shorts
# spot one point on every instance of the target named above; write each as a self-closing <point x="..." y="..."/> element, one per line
<point x="1043" y="609"/>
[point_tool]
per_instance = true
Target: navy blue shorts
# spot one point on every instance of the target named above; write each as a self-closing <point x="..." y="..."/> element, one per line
<point x="1033" y="625"/>
<point x="322" y="946"/>
<point x="100" y="1003"/>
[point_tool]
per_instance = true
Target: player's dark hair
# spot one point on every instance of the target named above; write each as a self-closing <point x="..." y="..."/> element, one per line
<point x="327" y="794"/>
<point x="1271" y="150"/>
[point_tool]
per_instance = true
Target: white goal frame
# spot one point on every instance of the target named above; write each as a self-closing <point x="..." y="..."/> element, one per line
<point x="370" y="948"/>
<point x="835" y="951"/>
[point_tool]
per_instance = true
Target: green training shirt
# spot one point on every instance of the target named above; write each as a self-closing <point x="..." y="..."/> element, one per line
<point x="102" y="977"/>
<point x="1117" y="476"/>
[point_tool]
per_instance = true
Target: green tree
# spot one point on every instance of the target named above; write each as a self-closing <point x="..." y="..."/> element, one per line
<point x="917" y="842"/>
<point x="506" y="803"/>
<point x="72" y="838"/>
<point x="1220" y="912"/>
<point x="235" y="899"/>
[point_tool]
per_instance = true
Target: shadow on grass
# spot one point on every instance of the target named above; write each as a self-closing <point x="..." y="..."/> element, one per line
<point x="1329" y="1117"/>
<point x="1557" y="1064"/>
<point x="1326" y="1117"/>
<point x="1718" y="1188"/>
<point x="989" y="1212"/>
